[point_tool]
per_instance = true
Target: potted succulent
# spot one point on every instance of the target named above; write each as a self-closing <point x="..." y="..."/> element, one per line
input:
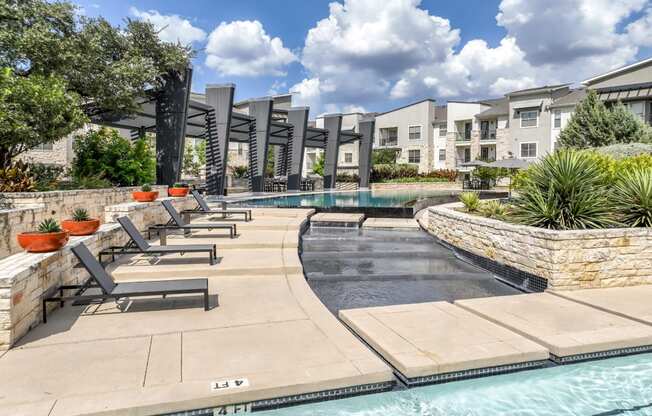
<point x="145" y="194"/>
<point x="81" y="223"/>
<point x="178" y="189"/>
<point x="49" y="237"/>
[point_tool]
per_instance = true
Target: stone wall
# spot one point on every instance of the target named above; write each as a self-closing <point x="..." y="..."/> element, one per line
<point x="26" y="277"/>
<point x="23" y="211"/>
<point x="570" y="260"/>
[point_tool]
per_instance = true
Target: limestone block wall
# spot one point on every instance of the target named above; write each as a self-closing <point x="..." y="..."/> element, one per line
<point x="570" y="260"/>
<point x="23" y="211"/>
<point x="25" y="278"/>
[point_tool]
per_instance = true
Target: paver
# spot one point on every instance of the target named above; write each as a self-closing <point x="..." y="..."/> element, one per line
<point x="336" y="219"/>
<point x="438" y="341"/>
<point x="571" y="331"/>
<point x="391" y="223"/>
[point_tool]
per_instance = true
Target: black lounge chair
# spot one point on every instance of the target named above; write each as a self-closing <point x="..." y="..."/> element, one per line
<point x="204" y="209"/>
<point x="138" y="245"/>
<point x="109" y="289"/>
<point x="177" y="223"/>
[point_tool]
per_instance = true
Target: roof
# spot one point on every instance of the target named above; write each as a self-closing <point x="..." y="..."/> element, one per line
<point x="499" y="107"/>
<point x="570" y="99"/>
<point x="432" y="100"/>
<point x="537" y="90"/>
<point x="627" y="92"/>
<point x="441" y="113"/>
<point x="610" y="74"/>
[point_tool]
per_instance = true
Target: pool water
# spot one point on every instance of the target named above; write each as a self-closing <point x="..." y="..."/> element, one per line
<point x="617" y="386"/>
<point x="384" y="198"/>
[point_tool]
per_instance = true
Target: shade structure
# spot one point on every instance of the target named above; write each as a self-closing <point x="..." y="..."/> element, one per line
<point x="510" y="164"/>
<point x="474" y="163"/>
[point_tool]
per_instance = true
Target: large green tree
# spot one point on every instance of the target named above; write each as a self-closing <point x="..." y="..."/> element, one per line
<point x="101" y="69"/>
<point x="593" y="124"/>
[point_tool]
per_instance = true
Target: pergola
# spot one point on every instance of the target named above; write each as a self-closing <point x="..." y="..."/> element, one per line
<point x="173" y="116"/>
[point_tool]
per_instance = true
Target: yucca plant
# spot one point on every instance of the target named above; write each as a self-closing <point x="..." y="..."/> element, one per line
<point x="633" y="197"/>
<point x="80" y="214"/>
<point x="564" y="191"/>
<point x="471" y="201"/>
<point x="493" y="209"/>
<point x="49" y="225"/>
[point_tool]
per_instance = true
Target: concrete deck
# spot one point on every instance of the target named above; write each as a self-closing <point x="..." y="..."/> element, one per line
<point x="153" y="356"/>
<point x="426" y="339"/>
<point x="391" y="223"/>
<point x="568" y="329"/>
<point x="631" y="302"/>
<point x="336" y="219"/>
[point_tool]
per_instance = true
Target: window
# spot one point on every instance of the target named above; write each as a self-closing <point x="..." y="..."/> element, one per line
<point x="467" y="155"/>
<point x="442" y="130"/>
<point x="529" y="118"/>
<point x="389" y="136"/>
<point x="414" y="132"/>
<point x="240" y="149"/>
<point x="528" y="150"/>
<point x="348" y="157"/>
<point x="484" y="153"/>
<point x="442" y="154"/>
<point x="637" y="108"/>
<point x="414" y="156"/>
<point x="44" y="147"/>
<point x="557" y="120"/>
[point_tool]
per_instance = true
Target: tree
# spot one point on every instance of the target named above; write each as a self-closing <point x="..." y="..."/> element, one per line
<point x="595" y="125"/>
<point x="318" y="167"/>
<point x="383" y="156"/>
<point x="194" y="158"/>
<point x="109" y="69"/>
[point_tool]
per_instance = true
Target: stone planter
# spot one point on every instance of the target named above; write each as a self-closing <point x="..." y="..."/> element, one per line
<point x="35" y="242"/>
<point x="142" y="196"/>
<point x="81" y="227"/>
<point x="178" y="192"/>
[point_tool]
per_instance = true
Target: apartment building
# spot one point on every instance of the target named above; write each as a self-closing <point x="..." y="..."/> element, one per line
<point x="408" y="130"/>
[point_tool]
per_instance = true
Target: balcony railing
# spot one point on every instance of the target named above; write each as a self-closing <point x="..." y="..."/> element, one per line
<point x="388" y="142"/>
<point x="488" y="135"/>
<point x="462" y="137"/>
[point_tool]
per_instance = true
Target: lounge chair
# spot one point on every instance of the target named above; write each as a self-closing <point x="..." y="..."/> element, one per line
<point x="177" y="223"/>
<point x="138" y="245"/>
<point x="204" y="209"/>
<point x="109" y="289"/>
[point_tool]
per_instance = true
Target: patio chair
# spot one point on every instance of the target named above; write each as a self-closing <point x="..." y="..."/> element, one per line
<point x="204" y="209"/>
<point x="177" y="223"/>
<point x="109" y="289"/>
<point x="138" y="245"/>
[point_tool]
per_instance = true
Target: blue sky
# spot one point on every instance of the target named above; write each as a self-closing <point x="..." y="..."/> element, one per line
<point x="377" y="54"/>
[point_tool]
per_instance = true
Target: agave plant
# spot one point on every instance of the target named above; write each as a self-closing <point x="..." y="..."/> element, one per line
<point x="493" y="209"/>
<point x="471" y="201"/>
<point x="80" y="214"/>
<point x="146" y="187"/>
<point x="49" y="225"/>
<point x="565" y="191"/>
<point x="633" y="197"/>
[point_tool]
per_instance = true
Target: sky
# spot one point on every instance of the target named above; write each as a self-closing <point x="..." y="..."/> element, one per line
<point x="374" y="55"/>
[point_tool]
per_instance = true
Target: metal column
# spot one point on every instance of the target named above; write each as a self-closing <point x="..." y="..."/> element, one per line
<point x="366" y="130"/>
<point x="261" y="110"/>
<point x="220" y="97"/>
<point x="332" y="123"/>
<point x="298" y="117"/>
<point x="171" y="117"/>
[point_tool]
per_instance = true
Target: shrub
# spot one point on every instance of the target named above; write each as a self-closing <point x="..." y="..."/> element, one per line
<point x="347" y="177"/>
<point x="87" y="182"/>
<point x="384" y="172"/>
<point x="47" y="176"/>
<point x="444" y="174"/>
<point x="80" y="214"/>
<point x="493" y="209"/>
<point x="623" y="150"/>
<point x="471" y="201"/>
<point x="318" y="167"/>
<point x="384" y="156"/>
<point x="633" y="197"/>
<point x="240" y="171"/>
<point x="106" y="154"/>
<point x="17" y="178"/>
<point x="49" y="225"/>
<point x="565" y="191"/>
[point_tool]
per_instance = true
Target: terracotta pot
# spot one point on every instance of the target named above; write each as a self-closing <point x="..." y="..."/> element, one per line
<point x="178" y="192"/>
<point x="141" y="196"/>
<point x="80" y="227"/>
<point x="35" y="242"/>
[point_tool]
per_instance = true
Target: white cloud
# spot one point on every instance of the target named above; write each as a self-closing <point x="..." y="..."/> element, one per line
<point x="244" y="48"/>
<point x="172" y="28"/>
<point x="277" y="87"/>
<point x="362" y="53"/>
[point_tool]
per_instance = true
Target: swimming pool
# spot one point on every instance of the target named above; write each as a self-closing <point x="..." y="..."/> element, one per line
<point x="617" y="386"/>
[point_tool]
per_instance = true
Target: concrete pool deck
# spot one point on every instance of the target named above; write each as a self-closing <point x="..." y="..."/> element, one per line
<point x="569" y="330"/>
<point x="154" y="356"/>
<point x="438" y="341"/>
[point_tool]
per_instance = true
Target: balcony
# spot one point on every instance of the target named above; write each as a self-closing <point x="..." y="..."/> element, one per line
<point x="488" y="135"/>
<point x="462" y="137"/>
